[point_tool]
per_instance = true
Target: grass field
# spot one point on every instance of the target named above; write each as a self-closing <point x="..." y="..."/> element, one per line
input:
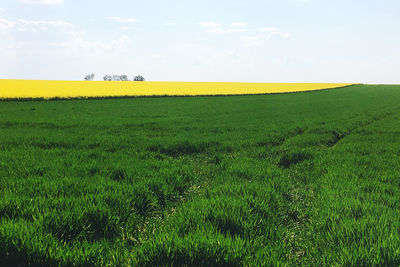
<point x="307" y="179"/>
<point x="10" y="89"/>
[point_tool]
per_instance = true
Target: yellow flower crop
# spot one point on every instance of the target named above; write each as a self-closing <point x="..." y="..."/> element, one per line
<point x="72" y="89"/>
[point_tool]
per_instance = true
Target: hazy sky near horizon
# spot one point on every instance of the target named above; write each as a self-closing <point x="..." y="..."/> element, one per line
<point x="208" y="40"/>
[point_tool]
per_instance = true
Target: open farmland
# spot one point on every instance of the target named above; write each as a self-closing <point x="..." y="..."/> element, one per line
<point x="31" y="89"/>
<point x="292" y="179"/>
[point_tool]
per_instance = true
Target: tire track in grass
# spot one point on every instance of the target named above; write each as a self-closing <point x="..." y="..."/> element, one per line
<point x="298" y="219"/>
<point x="339" y="136"/>
<point x="295" y="219"/>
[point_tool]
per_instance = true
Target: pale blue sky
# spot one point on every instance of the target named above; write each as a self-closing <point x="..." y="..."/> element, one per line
<point x="208" y="40"/>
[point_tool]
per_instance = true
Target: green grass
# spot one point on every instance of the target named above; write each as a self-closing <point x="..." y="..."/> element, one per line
<point x="294" y="179"/>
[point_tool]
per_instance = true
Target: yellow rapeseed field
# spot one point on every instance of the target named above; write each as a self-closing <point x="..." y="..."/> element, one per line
<point x="72" y="89"/>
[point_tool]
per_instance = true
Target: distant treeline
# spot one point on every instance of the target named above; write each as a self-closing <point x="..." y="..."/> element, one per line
<point x="108" y="77"/>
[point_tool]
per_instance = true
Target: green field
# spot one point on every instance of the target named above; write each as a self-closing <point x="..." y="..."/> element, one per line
<point x="295" y="179"/>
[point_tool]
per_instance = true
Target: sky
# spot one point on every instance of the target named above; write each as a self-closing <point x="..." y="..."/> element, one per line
<point x="356" y="41"/>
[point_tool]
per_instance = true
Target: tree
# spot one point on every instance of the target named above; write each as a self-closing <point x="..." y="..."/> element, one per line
<point x="89" y="77"/>
<point x="139" y="78"/>
<point x="124" y="78"/>
<point x="115" y="78"/>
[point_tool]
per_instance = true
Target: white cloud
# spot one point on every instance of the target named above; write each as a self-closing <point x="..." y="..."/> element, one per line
<point x="209" y="24"/>
<point x="235" y="30"/>
<point x="122" y="20"/>
<point x="220" y="30"/>
<point x="71" y="37"/>
<point x="1" y="10"/>
<point x="238" y="24"/>
<point x="79" y="43"/>
<point x="266" y="34"/>
<point x="213" y="27"/>
<point x="260" y="39"/>
<point x="58" y="43"/>
<point x="72" y="58"/>
<point x="42" y="2"/>
<point x="5" y="24"/>
<point x="268" y="29"/>
<point x="34" y="25"/>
